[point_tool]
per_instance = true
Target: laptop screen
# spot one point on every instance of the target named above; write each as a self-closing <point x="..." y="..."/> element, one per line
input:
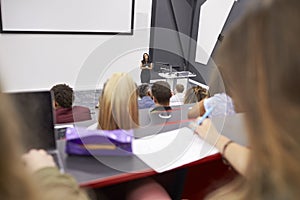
<point x="36" y="111"/>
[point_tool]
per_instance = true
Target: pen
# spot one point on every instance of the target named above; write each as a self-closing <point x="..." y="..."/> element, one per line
<point x="206" y="114"/>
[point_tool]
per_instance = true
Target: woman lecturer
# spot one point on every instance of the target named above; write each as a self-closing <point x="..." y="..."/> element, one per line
<point x="145" y="66"/>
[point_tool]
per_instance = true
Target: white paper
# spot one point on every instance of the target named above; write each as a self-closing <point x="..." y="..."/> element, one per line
<point x="166" y="151"/>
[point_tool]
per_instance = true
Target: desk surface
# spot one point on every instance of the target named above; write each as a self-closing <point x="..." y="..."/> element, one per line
<point x="176" y="75"/>
<point x="89" y="171"/>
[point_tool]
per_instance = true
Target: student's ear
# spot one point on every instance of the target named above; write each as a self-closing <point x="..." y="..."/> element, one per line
<point x="55" y="104"/>
<point x="154" y="99"/>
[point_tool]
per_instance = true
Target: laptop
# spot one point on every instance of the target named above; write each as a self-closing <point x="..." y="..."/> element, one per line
<point x="36" y="111"/>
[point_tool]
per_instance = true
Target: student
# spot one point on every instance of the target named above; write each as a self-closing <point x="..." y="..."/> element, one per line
<point x="118" y="103"/>
<point x="35" y="177"/>
<point x="119" y="110"/>
<point x="64" y="112"/>
<point x="195" y="94"/>
<point x="222" y="103"/>
<point x="178" y="98"/>
<point x="161" y="95"/>
<point x="146" y="67"/>
<point x="145" y="94"/>
<point x="261" y="56"/>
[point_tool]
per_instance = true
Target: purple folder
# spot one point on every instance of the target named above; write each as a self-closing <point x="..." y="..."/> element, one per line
<point x="81" y="141"/>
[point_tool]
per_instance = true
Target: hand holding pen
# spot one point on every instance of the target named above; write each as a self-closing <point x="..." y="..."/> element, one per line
<point x="199" y="120"/>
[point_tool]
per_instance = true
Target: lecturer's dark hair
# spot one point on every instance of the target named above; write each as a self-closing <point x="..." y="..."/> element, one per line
<point x="144" y="61"/>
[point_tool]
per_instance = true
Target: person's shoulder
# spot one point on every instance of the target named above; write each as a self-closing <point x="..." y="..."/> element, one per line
<point x="216" y="97"/>
<point x="146" y="102"/>
<point x="173" y="98"/>
<point x="161" y="108"/>
<point x="80" y="109"/>
<point x="63" y="110"/>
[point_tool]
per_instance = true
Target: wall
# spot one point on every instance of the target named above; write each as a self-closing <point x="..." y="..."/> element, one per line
<point x="38" y="61"/>
<point x="210" y="72"/>
<point x="168" y="46"/>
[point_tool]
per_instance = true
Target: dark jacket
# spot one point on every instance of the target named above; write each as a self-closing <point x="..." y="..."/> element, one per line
<point x="161" y="108"/>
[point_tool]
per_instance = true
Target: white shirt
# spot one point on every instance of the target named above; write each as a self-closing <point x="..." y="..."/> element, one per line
<point x="177" y="99"/>
<point x="223" y="105"/>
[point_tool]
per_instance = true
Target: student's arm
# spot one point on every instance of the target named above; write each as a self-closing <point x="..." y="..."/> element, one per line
<point x="51" y="183"/>
<point x="56" y="185"/>
<point x="197" y="110"/>
<point x="235" y="154"/>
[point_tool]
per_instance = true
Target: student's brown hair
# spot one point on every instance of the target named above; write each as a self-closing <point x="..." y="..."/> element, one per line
<point x="260" y="61"/>
<point x="15" y="183"/>
<point x="161" y="92"/>
<point x="118" y="104"/>
<point x="63" y="95"/>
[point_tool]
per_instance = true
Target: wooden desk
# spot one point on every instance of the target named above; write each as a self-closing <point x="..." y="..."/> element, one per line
<point x="90" y="172"/>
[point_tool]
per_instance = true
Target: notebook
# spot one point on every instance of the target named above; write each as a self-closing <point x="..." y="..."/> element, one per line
<point x="36" y="111"/>
<point x="172" y="149"/>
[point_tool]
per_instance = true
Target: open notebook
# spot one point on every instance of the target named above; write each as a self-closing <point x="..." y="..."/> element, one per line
<point x="166" y="151"/>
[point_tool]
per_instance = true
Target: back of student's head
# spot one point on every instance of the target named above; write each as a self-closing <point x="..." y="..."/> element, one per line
<point x="63" y="95"/>
<point x="195" y="94"/>
<point x="15" y="183"/>
<point x="260" y="61"/>
<point x="161" y="92"/>
<point x="179" y="88"/>
<point x="143" y="90"/>
<point x="118" y="103"/>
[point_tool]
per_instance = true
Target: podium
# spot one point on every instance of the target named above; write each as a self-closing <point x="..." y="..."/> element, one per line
<point x="172" y="77"/>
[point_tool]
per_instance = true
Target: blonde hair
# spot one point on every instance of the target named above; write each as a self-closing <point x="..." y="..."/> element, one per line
<point x="261" y="57"/>
<point x="195" y="94"/>
<point x="118" y="103"/>
<point x="15" y="182"/>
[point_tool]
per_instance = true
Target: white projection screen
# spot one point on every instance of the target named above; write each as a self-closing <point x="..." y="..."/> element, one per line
<point x="68" y="16"/>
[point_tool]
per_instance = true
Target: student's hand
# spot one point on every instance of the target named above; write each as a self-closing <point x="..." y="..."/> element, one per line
<point x="37" y="159"/>
<point x="206" y="131"/>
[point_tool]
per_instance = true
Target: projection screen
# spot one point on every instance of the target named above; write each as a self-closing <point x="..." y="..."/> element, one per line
<point x="68" y="16"/>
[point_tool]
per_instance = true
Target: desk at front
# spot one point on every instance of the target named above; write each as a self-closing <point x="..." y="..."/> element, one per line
<point x="109" y="170"/>
<point x="172" y="77"/>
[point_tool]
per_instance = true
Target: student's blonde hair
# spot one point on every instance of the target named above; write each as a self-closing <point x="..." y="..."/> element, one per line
<point x="118" y="103"/>
<point x="260" y="61"/>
